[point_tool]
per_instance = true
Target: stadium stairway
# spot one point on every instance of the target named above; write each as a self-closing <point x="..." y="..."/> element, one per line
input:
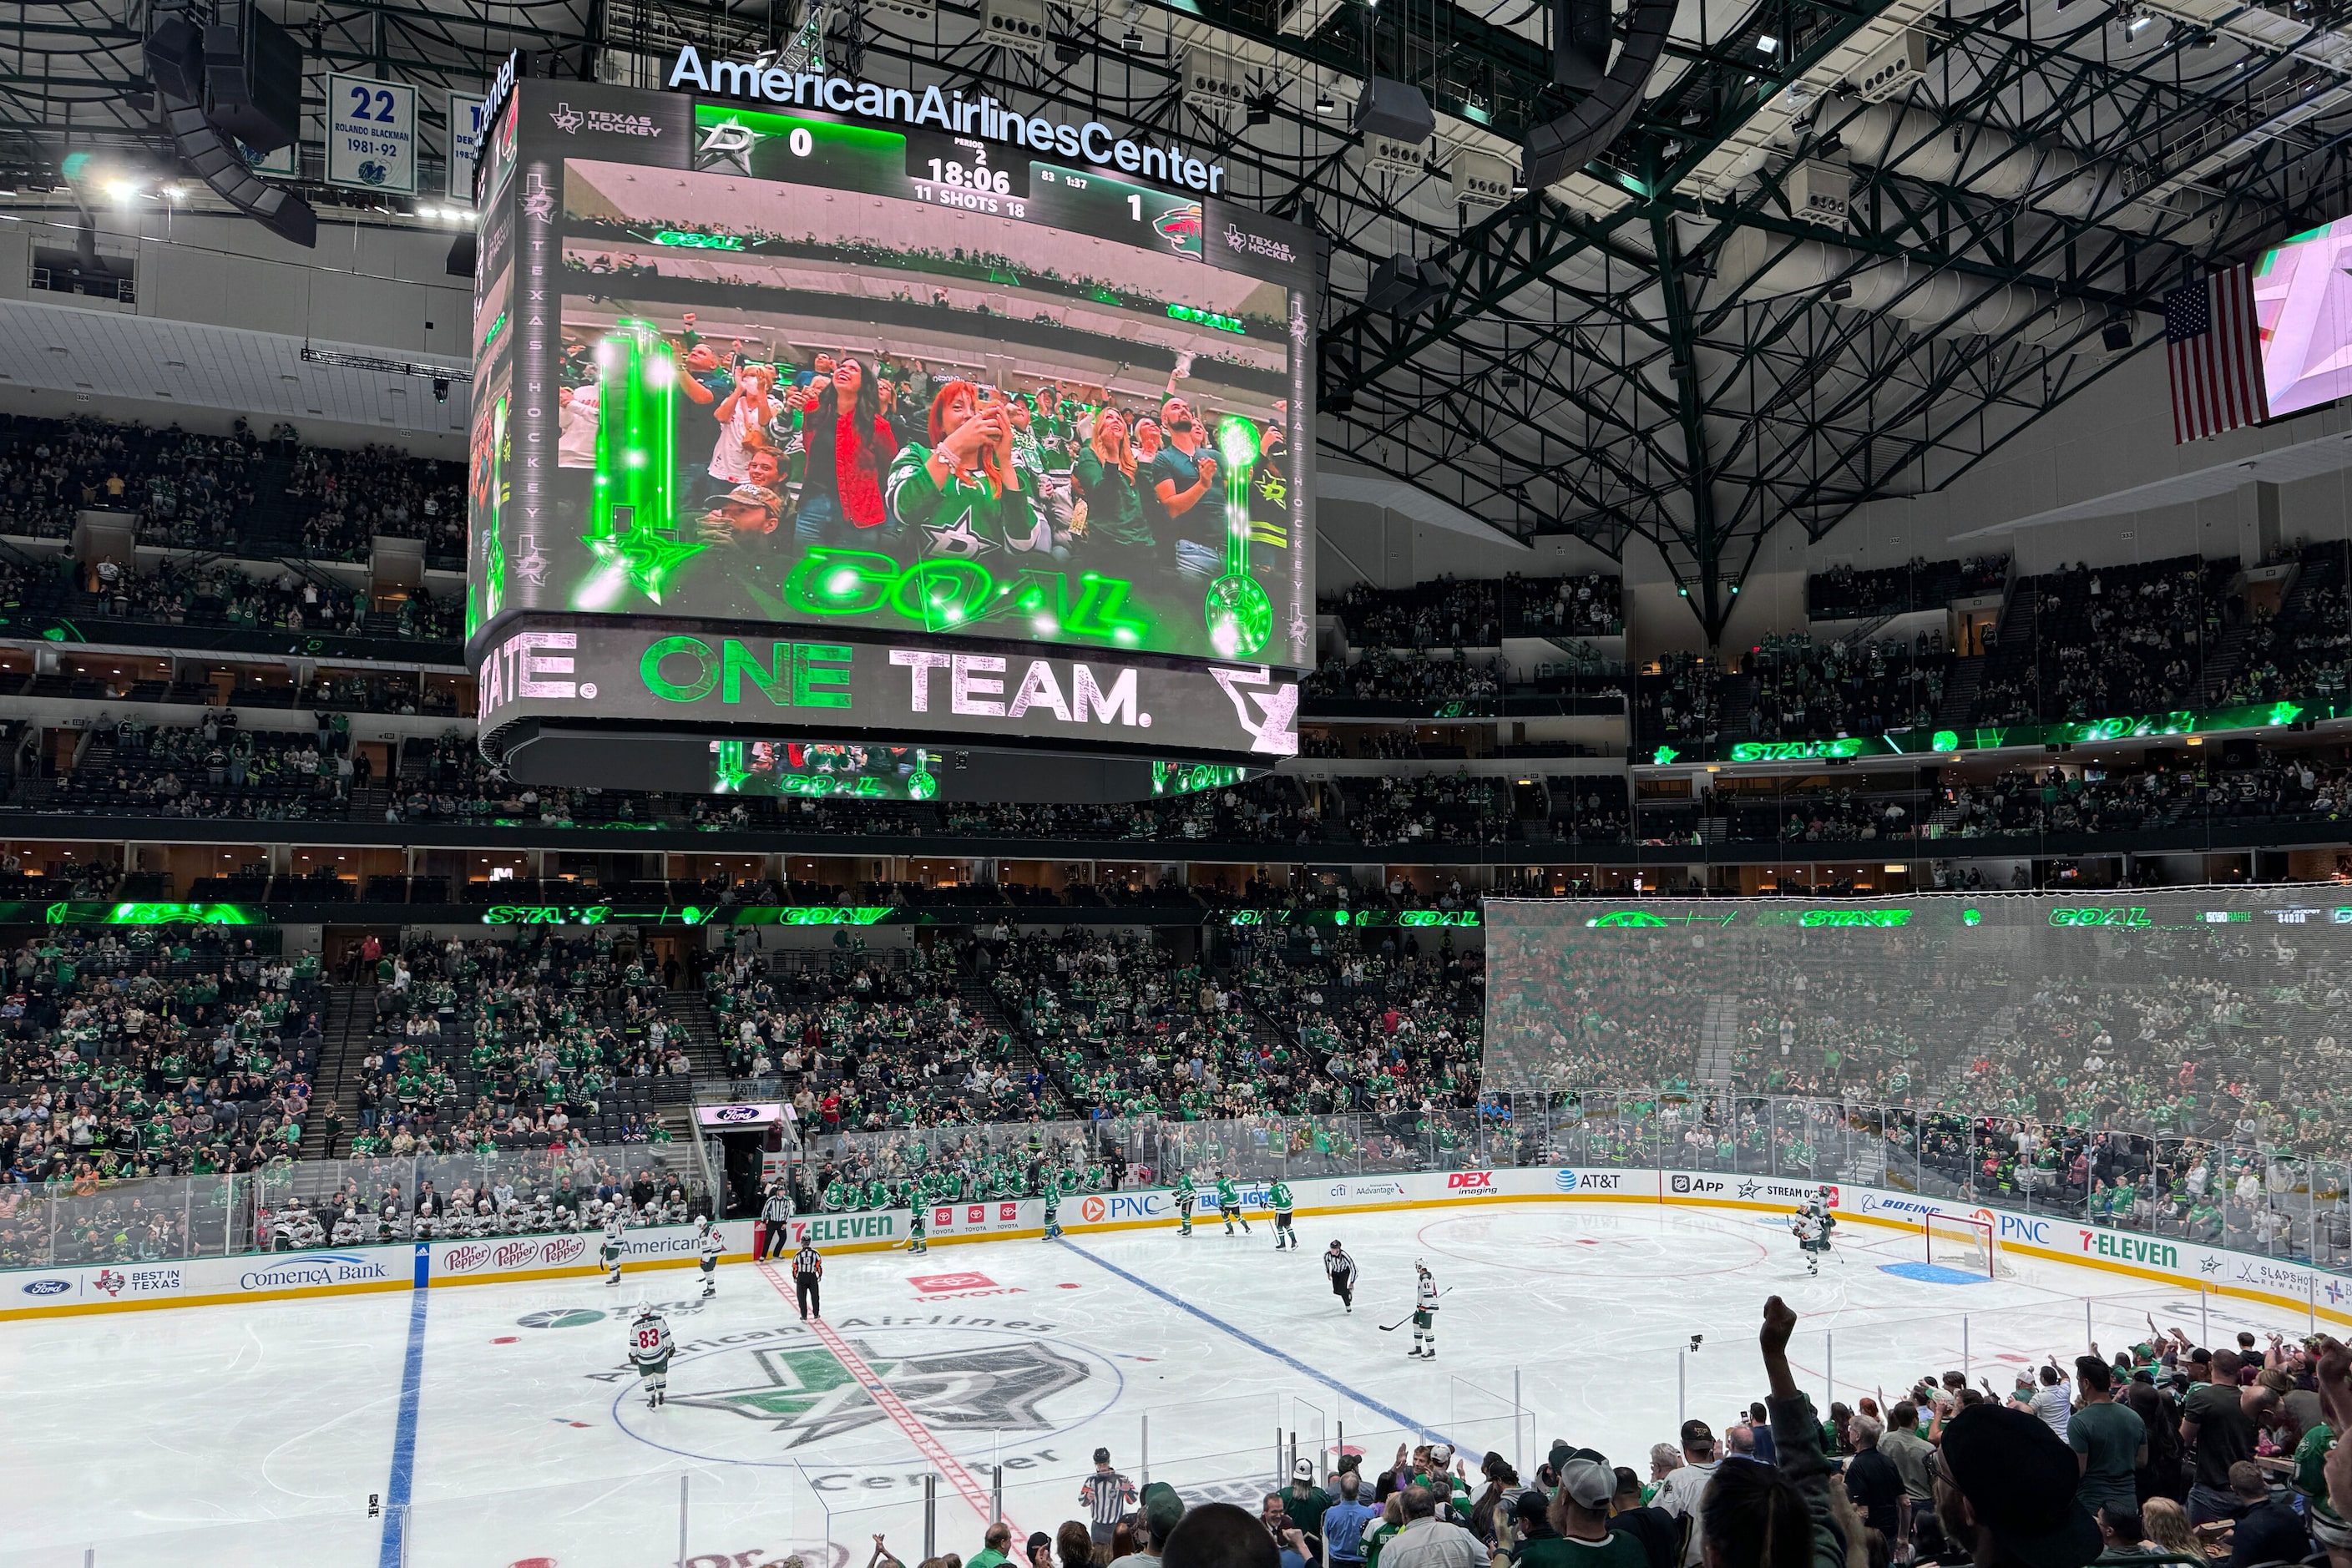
<point x="2228" y="658"/>
<point x="343" y="1028"/>
<point x="690" y="1015"/>
<point x="1718" y="1066"/>
<point x="979" y="1001"/>
<point x="1264" y="1032"/>
<point x="1960" y="692"/>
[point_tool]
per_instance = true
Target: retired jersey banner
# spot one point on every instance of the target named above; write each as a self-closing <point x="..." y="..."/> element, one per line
<point x="372" y="135"/>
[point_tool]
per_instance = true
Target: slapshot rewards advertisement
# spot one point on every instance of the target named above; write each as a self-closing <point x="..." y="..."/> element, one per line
<point x="929" y="378"/>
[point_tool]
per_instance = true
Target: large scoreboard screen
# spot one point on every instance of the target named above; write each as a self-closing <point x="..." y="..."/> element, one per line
<point x="910" y="436"/>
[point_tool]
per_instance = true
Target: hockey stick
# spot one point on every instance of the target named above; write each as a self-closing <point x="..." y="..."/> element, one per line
<point x="1400" y="1323"/>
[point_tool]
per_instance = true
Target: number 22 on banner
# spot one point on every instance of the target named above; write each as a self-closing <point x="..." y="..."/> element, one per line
<point x="372" y="134"/>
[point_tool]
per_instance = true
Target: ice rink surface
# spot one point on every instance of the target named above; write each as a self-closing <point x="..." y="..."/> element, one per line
<point x="503" y="1414"/>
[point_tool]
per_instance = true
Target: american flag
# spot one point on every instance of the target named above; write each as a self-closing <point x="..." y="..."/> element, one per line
<point x="2213" y="348"/>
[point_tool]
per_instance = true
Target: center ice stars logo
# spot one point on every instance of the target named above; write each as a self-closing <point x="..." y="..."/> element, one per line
<point x="806" y="1396"/>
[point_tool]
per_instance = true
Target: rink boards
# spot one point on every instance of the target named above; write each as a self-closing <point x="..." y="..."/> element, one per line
<point x="256" y="1276"/>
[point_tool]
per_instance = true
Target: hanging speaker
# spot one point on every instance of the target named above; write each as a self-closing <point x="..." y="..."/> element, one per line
<point x="1580" y="33"/>
<point x="1558" y="145"/>
<point x="175" y="49"/>
<point x="1394" y="110"/>
<point x="253" y="79"/>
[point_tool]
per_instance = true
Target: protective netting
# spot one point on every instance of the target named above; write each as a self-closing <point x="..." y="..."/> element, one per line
<point x="2196" y="1011"/>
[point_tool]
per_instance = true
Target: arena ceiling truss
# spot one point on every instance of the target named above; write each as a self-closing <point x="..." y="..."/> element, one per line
<point x="1843" y="250"/>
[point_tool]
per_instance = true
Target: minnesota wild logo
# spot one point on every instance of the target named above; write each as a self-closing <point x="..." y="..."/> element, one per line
<point x="804" y="1395"/>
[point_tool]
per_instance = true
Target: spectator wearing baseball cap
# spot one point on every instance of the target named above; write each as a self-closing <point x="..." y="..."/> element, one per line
<point x="1531" y="1519"/>
<point x="1682" y="1491"/>
<point x="1161" y="1512"/>
<point x="2006" y="1491"/>
<point x="1579" y="1512"/>
<point x="1304" y="1501"/>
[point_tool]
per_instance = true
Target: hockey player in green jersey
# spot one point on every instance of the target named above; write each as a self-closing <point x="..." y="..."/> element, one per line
<point x="1186" y="1196"/>
<point x="1229" y="1202"/>
<point x="916" y="1242"/>
<point x="1278" y="1196"/>
<point x="1053" y="1192"/>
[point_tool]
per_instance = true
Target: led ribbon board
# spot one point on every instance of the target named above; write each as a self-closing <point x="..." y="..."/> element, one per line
<point x="2080" y="732"/>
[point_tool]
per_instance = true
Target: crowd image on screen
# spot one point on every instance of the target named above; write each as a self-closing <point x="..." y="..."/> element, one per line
<point x="784" y="447"/>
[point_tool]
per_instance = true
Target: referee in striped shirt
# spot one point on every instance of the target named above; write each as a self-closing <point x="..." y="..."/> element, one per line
<point x="1108" y="1495"/>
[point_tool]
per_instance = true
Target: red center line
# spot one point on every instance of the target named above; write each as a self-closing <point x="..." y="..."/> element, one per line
<point x="926" y="1444"/>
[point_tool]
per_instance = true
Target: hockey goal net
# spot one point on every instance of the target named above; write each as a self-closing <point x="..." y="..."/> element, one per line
<point x="1954" y="1242"/>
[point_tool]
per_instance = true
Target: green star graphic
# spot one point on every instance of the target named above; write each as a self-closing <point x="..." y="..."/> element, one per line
<point x="1664" y="754"/>
<point x="2284" y="712"/>
<point x="647" y="554"/>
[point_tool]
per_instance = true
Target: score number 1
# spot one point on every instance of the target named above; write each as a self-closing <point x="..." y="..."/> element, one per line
<point x="1078" y="183"/>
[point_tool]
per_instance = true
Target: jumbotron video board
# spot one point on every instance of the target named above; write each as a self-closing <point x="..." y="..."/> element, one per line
<point x="895" y="420"/>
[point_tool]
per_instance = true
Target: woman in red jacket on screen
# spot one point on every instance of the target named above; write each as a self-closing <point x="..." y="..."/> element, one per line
<point x="847" y="444"/>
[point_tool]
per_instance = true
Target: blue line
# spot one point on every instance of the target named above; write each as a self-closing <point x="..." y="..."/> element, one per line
<point x="403" y="1435"/>
<point x="1292" y="1362"/>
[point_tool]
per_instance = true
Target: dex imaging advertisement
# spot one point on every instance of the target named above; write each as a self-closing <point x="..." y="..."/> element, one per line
<point x="903" y="383"/>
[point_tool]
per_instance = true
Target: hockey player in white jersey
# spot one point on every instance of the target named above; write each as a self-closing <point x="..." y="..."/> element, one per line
<point x="712" y="1246"/>
<point x="1811" y="1236"/>
<point x="1818" y="1206"/>
<point x="649" y="1351"/>
<point x="613" y="1241"/>
<point x="1424" y="1313"/>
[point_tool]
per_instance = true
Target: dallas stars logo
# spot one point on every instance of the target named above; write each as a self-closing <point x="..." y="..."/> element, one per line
<point x="726" y="146"/>
<point x="1273" y="488"/>
<point x="957" y="543"/>
<point x="531" y="566"/>
<point x="647" y="554"/>
<point x="806" y="1396"/>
